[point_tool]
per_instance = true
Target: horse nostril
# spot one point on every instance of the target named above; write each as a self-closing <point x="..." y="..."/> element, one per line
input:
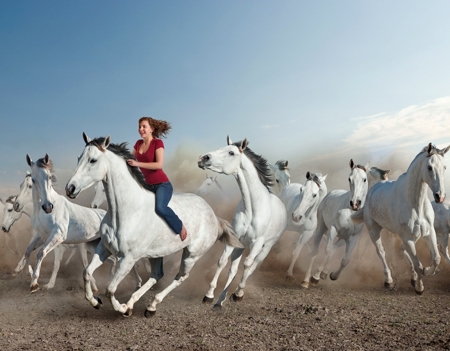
<point x="94" y="206"/>
<point x="351" y="203"/>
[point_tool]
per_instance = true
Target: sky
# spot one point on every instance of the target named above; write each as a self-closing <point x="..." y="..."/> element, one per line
<point x="308" y="81"/>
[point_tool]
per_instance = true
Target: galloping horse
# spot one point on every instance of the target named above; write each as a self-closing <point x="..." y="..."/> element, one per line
<point x="333" y="216"/>
<point x="402" y="207"/>
<point x="260" y="218"/>
<point x="281" y="175"/>
<point x="208" y="185"/>
<point x="55" y="219"/>
<point x="302" y="202"/>
<point x="132" y="230"/>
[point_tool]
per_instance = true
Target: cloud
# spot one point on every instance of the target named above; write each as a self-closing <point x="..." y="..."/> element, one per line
<point x="416" y="124"/>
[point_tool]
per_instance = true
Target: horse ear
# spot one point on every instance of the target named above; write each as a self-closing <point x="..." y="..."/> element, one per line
<point x="244" y="144"/>
<point x="229" y="142"/>
<point x="46" y="158"/>
<point x="446" y="149"/>
<point x="86" y="139"/>
<point x="308" y="175"/>
<point x="322" y="179"/>
<point x="29" y="160"/>
<point x="430" y="148"/>
<point x="384" y="174"/>
<point x="28" y="173"/>
<point x="2" y="200"/>
<point x="352" y="164"/>
<point x="367" y="166"/>
<point x="106" y="142"/>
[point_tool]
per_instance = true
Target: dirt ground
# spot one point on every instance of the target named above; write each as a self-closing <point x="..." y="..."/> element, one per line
<point x="353" y="313"/>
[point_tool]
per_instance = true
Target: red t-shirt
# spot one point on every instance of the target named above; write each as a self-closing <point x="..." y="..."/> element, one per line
<point x="152" y="176"/>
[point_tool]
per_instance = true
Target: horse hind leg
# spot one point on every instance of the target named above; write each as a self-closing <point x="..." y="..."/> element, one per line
<point x="58" y="252"/>
<point x="302" y="240"/>
<point x="411" y="250"/>
<point x="346" y="259"/>
<point x="100" y="256"/>
<point x="236" y="256"/>
<point x="375" y="236"/>
<point x="187" y="262"/>
<point x="209" y="296"/>
<point x="248" y="270"/>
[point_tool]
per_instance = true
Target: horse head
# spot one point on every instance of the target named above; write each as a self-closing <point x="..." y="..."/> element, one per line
<point x="311" y="193"/>
<point x="25" y="193"/>
<point x="43" y="178"/>
<point x="432" y="170"/>
<point x="358" y="185"/>
<point x="9" y="215"/>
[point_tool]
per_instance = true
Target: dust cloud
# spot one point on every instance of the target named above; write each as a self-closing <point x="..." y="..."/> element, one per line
<point x="182" y="169"/>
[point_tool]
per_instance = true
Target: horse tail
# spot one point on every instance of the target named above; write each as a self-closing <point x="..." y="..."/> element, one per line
<point x="227" y="235"/>
<point x="358" y="217"/>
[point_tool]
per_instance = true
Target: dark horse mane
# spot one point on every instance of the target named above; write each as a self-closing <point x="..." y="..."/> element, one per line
<point x="262" y="166"/>
<point x="122" y="151"/>
<point x="46" y="165"/>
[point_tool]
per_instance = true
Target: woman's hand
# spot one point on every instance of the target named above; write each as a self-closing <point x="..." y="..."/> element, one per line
<point x="132" y="162"/>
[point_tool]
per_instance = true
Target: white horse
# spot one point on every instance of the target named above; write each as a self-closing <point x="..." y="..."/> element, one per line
<point x="442" y="226"/>
<point x="402" y="207"/>
<point x="281" y="175"/>
<point x="132" y="230"/>
<point x="100" y="195"/>
<point x="302" y="202"/>
<point x="8" y="220"/>
<point x="208" y="186"/>
<point x="334" y="216"/>
<point x="55" y="219"/>
<point x="260" y="218"/>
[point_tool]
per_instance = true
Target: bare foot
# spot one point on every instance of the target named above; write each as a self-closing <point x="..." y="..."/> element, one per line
<point x="183" y="234"/>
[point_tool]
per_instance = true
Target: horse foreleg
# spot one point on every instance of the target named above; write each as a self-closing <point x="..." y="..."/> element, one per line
<point x="321" y="272"/>
<point x="124" y="267"/>
<point x="302" y="240"/>
<point x="375" y="236"/>
<point x="82" y="248"/>
<point x="52" y="242"/>
<point x="351" y="243"/>
<point x="187" y="262"/>
<point x="100" y="255"/>
<point x="411" y="250"/>
<point x="248" y="270"/>
<point x="35" y="242"/>
<point x="236" y="256"/>
<point x="220" y="266"/>
<point x="157" y="272"/>
<point x="58" y="256"/>
<point x="317" y="237"/>
<point x="443" y="246"/>
<point x="435" y="257"/>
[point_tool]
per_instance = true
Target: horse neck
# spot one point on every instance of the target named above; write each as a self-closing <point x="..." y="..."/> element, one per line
<point x="120" y="188"/>
<point x="251" y="187"/>
<point x="416" y="187"/>
<point x="28" y="209"/>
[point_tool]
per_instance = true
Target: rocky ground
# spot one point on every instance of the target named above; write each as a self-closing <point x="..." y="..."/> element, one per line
<point x="353" y="313"/>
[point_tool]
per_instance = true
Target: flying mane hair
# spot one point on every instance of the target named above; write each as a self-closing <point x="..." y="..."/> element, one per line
<point x="262" y="166"/>
<point x="122" y="151"/>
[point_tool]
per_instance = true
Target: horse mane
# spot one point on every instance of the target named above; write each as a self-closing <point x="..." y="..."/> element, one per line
<point x="122" y="151"/>
<point x="261" y="165"/>
<point x="46" y="165"/>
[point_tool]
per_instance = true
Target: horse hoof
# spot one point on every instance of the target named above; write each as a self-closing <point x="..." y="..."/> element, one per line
<point x="207" y="300"/>
<point x="305" y="285"/>
<point x="99" y="302"/>
<point x="389" y="285"/>
<point x="333" y="277"/>
<point x="34" y="288"/>
<point x="290" y="278"/>
<point x="236" y="298"/>
<point x="128" y="313"/>
<point x="314" y="281"/>
<point x="149" y="314"/>
<point x="413" y="283"/>
<point x="323" y="275"/>
<point x="418" y="292"/>
<point x="217" y="307"/>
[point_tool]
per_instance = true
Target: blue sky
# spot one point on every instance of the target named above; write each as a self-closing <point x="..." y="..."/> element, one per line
<point x="300" y="79"/>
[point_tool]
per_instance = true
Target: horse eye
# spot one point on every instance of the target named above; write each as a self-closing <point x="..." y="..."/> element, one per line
<point x="430" y="168"/>
<point x="231" y="153"/>
<point x="10" y="210"/>
<point x="30" y="186"/>
<point x="349" y="180"/>
<point x="314" y="195"/>
<point x="92" y="161"/>
<point x="365" y="180"/>
<point x="445" y="167"/>
<point x="32" y="180"/>
<point x="278" y="181"/>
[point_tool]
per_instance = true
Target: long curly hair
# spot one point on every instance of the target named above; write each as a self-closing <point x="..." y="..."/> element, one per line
<point x="160" y="128"/>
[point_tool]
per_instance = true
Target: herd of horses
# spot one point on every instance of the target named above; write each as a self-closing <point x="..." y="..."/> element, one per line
<point x="130" y="231"/>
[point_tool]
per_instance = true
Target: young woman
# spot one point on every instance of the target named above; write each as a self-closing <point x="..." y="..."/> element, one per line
<point x="149" y="153"/>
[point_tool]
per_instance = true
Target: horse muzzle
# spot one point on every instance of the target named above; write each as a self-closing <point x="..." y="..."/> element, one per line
<point x="204" y="161"/>
<point x="48" y="208"/>
<point x="355" y="206"/>
<point x="6" y="230"/>
<point x="70" y="192"/>
<point x="438" y="198"/>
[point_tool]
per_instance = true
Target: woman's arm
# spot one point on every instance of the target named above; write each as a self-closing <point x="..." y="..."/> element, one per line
<point x="159" y="156"/>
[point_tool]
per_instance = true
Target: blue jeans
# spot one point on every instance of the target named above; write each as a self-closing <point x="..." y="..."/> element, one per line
<point x="163" y="194"/>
